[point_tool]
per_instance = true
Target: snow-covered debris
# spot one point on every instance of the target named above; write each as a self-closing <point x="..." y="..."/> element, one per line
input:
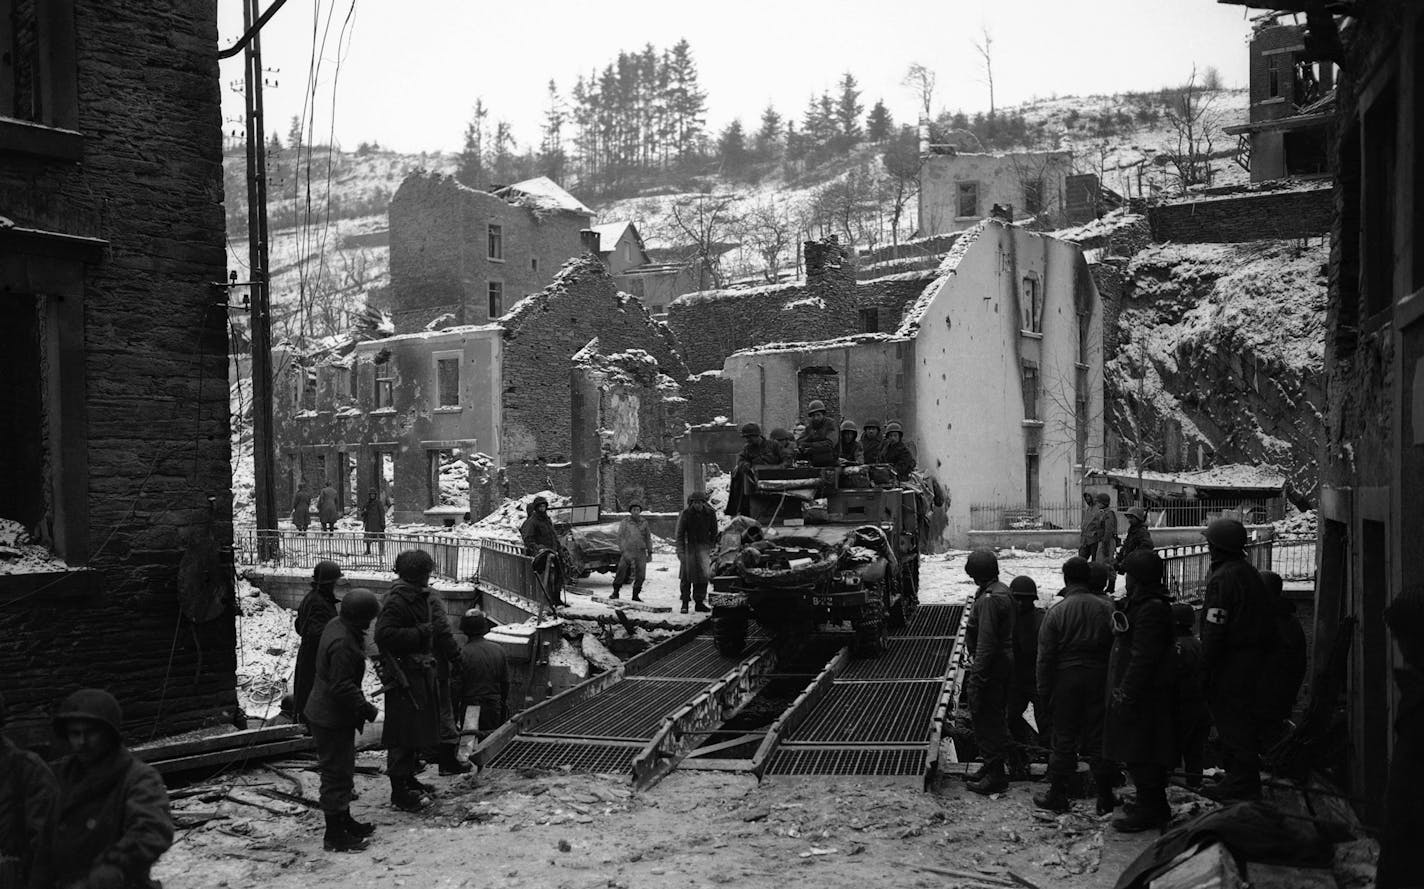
<point x="504" y="522"/>
<point x="19" y="554"/>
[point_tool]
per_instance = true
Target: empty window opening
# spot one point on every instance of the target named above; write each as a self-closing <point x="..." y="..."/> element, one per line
<point x="496" y="242"/>
<point x="385" y="384"/>
<point x="1030" y="392"/>
<point x="447" y="381"/>
<point x="1031" y="304"/>
<point x="967" y="199"/>
<point x="436" y="460"/>
<point x="1273" y="76"/>
<point x="350" y="480"/>
<point x="820" y="384"/>
<point x="1031" y="492"/>
<point x="496" y="299"/>
<point x="22" y="457"/>
<point x="1377" y="233"/>
<point x="1033" y="196"/>
<point x="870" y="320"/>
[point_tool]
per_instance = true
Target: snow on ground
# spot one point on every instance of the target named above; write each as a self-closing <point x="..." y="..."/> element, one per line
<point x="20" y="555"/>
<point x="943" y="581"/>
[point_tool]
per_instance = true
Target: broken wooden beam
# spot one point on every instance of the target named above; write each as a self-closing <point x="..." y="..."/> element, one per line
<point x="243" y="738"/>
<point x="630" y="605"/>
<point x="236" y="754"/>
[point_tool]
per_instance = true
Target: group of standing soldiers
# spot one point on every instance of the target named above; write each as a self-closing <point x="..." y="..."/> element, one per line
<point x="436" y="690"/>
<point x="1127" y="681"/>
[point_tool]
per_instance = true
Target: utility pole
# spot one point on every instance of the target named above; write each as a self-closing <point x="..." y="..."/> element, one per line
<point x="264" y="465"/>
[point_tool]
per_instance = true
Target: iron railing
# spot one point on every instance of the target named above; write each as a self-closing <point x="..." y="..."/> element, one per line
<point x="1187" y="566"/>
<point x="497" y="562"/>
<point x="1070" y="516"/>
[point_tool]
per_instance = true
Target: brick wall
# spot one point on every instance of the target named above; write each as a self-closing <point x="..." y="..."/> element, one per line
<point x="1251" y="216"/>
<point x="715" y="323"/>
<point x="154" y="391"/>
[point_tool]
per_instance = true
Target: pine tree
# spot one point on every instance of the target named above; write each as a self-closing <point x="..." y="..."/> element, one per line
<point x="470" y="165"/>
<point x="294" y="133"/>
<point x="686" y="100"/>
<point x="878" y="125"/>
<point x="848" y="108"/>
<point x="502" y="154"/>
<point x="551" y="143"/>
<point x="770" y="132"/>
<point x="732" y="147"/>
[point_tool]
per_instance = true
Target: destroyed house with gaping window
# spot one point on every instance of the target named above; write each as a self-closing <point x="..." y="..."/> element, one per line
<point x="1292" y="107"/>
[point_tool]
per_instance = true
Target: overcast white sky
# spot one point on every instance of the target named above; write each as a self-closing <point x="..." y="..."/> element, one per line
<point x="410" y="70"/>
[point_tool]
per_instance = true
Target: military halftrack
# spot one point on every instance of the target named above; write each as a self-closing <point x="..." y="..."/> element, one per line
<point x="817" y="547"/>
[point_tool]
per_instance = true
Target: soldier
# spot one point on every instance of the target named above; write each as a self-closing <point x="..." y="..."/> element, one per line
<point x="990" y="634"/>
<point x="26" y="794"/>
<point x="787" y="443"/>
<point x="871" y="442"/>
<point x="1141" y="725"/>
<point x="1098" y="575"/>
<point x="1193" y="720"/>
<point x="1022" y="692"/>
<point x="848" y="450"/>
<point x="1138" y="537"/>
<point x="317" y="609"/>
<point x="111" y="820"/>
<point x="896" y="452"/>
<point x="1073" y="648"/>
<point x="328" y="507"/>
<point x="1098" y="539"/>
<point x="484" y="677"/>
<point x="542" y="542"/>
<point x="336" y="711"/>
<point x="635" y="547"/>
<point x="1238" y="633"/>
<point x="819" y="427"/>
<point x="695" y="537"/>
<point x="413" y="631"/>
<point x="373" y="520"/>
<point x="756" y="451"/>
<point x="301" y="508"/>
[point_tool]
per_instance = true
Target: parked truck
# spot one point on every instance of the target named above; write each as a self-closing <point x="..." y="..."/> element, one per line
<point x="819" y="547"/>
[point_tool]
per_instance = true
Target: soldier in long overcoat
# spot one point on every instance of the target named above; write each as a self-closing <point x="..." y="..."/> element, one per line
<point x="413" y="631"/>
<point x="317" y="609"/>
<point x="1142" y="675"/>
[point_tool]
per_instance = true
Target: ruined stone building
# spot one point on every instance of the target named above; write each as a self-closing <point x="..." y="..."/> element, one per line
<point x="115" y="455"/>
<point x="958" y="189"/>
<point x="391" y="413"/>
<point x="995" y="370"/>
<point x="462" y="256"/>
<point x="1292" y="107"/>
<point x="634" y="270"/>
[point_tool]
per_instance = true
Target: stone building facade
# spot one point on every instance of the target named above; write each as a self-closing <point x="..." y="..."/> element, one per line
<point x="957" y="189"/>
<point x="389" y="413"/>
<point x="995" y="371"/>
<point x="1292" y="105"/>
<point x="116" y="454"/>
<point x="468" y="256"/>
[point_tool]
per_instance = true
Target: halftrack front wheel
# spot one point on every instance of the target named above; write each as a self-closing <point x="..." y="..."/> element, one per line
<point x="729" y="630"/>
<point x="872" y="638"/>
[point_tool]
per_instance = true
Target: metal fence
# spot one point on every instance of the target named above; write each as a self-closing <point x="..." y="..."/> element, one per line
<point x="1059" y="516"/>
<point x="498" y="562"/>
<point x="1187" y="566"/>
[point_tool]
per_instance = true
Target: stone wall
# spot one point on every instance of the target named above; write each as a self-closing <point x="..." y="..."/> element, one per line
<point x="145" y="398"/>
<point x="708" y="395"/>
<point x="713" y="324"/>
<point x="655" y="478"/>
<point x="1245" y="216"/>
<point x="891" y="296"/>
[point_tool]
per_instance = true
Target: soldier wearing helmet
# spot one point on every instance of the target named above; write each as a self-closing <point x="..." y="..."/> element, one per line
<point x="1238" y="636"/>
<point x="756" y="451"/>
<point x="317" y="609"/>
<point x="1097" y="542"/>
<point x="694" y="538"/>
<point x="112" y="820"/>
<point x="848" y="450"/>
<point x="787" y="442"/>
<point x="896" y="452"/>
<point x="990" y="634"/>
<point x="817" y="443"/>
<point x="336" y="712"/>
<point x="871" y="441"/>
<point x="413" y="631"/>
<point x="1138" y="537"/>
<point x="1028" y="617"/>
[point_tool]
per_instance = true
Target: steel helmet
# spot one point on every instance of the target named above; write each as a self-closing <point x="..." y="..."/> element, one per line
<point x="1144" y="565"/>
<point x="412" y="562"/>
<point x="1103" y="499"/>
<point x="93" y="704"/>
<point x="870" y="424"/>
<point x="751" y="429"/>
<point x="1183" y="616"/>
<point x="894" y="426"/>
<point x="1098" y="576"/>
<point x="982" y="564"/>
<point x="1023" y="587"/>
<point x="1137" y="512"/>
<point x="849" y="426"/>
<point x="474" y="623"/>
<point x="360" y="606"/>
<point x="1226" y="534"/>
<point x="326" y="571"/>
<point x="534" y="504"/>
<point x="779" y="434"/>
<point x="1077" y="570"/>
<point x="815" y="406"/>
<point x="697" y="495"/>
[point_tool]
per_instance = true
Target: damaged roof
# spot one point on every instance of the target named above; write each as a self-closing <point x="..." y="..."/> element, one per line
<point x="543" y="193"/>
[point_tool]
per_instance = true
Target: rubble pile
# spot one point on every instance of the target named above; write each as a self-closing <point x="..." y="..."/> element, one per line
<point x="20" y="554"/>
<point x="504" y="522"/>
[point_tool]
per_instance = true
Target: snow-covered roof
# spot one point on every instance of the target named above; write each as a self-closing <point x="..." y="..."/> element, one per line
<point x="856" y="339"/>
<point x="610" y="233"/>
<point x="545" y="193"/>
<point x="456" y="330"/>
<point x="1235" y="475"/>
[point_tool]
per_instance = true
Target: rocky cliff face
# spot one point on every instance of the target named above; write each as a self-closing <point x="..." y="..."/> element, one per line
<point x="1221" y="359"/>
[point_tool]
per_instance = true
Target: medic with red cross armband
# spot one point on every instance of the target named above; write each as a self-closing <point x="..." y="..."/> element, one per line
<point x="1237" y="637"/>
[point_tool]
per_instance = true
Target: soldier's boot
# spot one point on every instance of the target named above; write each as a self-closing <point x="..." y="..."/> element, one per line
<point x="684" y="606"/>
<point x="337" y="838"/>
<point x="405" y="796"/>
<point x="450" y="761"/>
<point x="615" y="592"/>
<point x="637" y="592"/>
<point x="1055" y="798"/>
<point x="358" y="829"/>
<point x="1107" y="800"/>
<point x="1150" y="812"/>
<point x="419" y="786"/>
<point x="993" y="781"/>
<point x="1018" y="766"/>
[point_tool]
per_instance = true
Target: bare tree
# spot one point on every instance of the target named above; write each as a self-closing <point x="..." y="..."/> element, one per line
<point x="901" y="183"/>
<point x="985" y="47"/>
<point x="1195" y="121"/>
<point x="922" y="80"/>
<point x="704" y="222"/>
<point x="769" y="228"/>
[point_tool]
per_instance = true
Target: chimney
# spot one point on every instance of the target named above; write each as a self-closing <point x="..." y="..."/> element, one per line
<point x="589" y="238"/>
<point x="924" y="135"/>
